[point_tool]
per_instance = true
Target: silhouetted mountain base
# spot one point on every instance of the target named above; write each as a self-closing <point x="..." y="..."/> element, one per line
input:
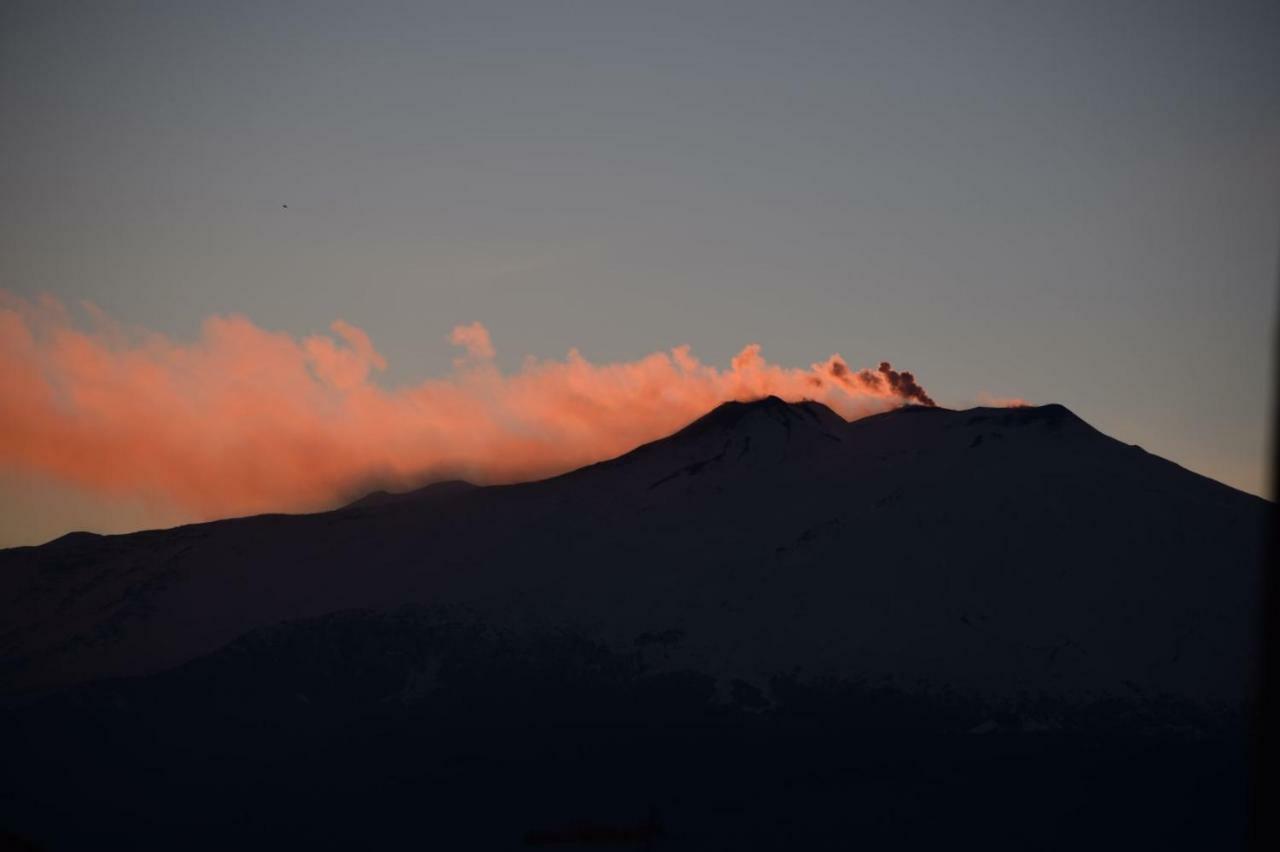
<point x="994" y="628"/>
<point x="422" y="728"/>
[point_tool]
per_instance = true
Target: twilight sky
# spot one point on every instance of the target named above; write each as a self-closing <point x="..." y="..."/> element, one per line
<point x="1062" y="202"/>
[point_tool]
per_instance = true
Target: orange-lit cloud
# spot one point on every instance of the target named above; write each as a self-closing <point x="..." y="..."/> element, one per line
<point x="475" y="339"/>
<point x="246" y="420"/>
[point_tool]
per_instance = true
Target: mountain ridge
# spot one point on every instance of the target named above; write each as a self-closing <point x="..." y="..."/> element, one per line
<point x="722" y="416"/>
<point x="756" y="520"/>
<point x="945" y="608"/>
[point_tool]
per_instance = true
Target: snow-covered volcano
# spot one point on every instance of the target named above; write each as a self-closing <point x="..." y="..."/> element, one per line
<point x="990" y="551"/>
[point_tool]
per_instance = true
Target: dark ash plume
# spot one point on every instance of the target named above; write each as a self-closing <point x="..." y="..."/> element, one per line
<point x="902" y="384"/>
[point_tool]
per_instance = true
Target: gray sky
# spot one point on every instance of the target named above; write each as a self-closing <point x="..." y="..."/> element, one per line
<point x="1070" y="202"/>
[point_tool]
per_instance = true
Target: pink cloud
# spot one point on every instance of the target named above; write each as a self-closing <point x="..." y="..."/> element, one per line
<point x="245" y="420"/>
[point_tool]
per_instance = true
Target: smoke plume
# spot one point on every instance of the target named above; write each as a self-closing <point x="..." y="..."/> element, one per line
<point x="245" y="420"/>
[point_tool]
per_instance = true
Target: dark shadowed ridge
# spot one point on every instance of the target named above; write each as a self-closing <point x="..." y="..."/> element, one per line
<point x="436" y="490"/>
<point x="718" y="508"/>
<point x="772" y="609"/>
<point x="730" y="415"/>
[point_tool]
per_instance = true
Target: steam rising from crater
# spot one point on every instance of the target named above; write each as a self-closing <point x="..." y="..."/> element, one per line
<point x="245" y="420"/>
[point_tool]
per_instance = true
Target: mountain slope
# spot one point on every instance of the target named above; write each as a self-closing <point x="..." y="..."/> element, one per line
<point x="771" y="630"/>
<point x="991" y="551"/>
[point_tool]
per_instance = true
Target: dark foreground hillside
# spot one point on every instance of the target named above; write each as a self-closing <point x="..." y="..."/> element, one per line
<point x="412" y="730"/>
<point x="773" y="630"/>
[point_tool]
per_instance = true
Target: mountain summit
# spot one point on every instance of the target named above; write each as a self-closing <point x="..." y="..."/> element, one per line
<point x="814" y="620"/>
<point x="995" y="550"/>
